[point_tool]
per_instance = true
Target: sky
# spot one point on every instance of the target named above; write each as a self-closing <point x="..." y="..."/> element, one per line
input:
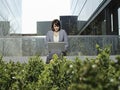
<point x="42" y="10"/>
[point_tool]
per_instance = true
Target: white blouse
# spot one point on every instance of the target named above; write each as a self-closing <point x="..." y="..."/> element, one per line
<point x="56" y="38"/>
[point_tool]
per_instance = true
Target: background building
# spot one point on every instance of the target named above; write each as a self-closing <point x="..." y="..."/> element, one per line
<point x="43" y="27"/>
<point x="11" y="12"/>
<point x="69" y="23"/>
<point x="102" y="17"/>
<point x="4" y="28"/>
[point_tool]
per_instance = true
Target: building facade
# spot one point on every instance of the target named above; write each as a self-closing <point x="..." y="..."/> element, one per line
<point x="43" y="27"/>
<point x="101" y="17"/>
<point x="11" y="11"/>
<point x="4" y="28"/>
<point x="69" y="23"/>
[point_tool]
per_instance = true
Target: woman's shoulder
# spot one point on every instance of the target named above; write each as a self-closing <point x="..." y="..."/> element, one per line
<point x="50" y="31"/>
<point x="62" y="30"/>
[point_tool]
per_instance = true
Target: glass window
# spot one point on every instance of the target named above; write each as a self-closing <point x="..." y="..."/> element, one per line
<point x="119" y="20"/>
<point x="112" y="22"/>
<point x="10" y="16"/>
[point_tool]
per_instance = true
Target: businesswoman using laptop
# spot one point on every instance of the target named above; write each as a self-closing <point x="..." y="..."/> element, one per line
<point x="56" y="35"/>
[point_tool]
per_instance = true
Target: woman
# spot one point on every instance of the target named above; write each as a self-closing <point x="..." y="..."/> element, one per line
<point x="56" y="35"/>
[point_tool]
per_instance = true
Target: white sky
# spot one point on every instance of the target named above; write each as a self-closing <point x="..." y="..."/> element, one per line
<point x="42" y="10"/>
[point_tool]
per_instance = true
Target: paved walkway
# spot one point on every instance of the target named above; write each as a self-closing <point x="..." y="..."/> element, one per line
<point x="26" y="58"/>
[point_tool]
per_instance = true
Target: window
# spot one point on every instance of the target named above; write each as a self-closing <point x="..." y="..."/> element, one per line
<point x="119" y="20"/>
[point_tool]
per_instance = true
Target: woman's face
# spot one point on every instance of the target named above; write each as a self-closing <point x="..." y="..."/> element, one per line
<point x="56" y="28"/>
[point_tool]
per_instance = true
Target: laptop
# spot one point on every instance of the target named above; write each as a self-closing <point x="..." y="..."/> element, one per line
<point x="56" y="46"/>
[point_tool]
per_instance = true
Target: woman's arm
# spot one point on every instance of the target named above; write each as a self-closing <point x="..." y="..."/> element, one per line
<point x="47" y="40"/>
<point x="65" y="40"/>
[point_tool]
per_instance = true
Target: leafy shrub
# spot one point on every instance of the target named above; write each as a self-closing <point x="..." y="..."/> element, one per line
<point x="100" y="73"/>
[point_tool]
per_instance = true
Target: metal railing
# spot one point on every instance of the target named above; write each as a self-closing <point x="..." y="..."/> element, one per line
<point x="78" y="45"/>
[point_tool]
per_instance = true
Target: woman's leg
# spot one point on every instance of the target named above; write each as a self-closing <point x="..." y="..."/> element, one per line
<point x="50" y="56"/>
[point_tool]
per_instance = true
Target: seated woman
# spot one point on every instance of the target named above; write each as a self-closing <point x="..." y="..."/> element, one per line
<point x="56" y="35"/>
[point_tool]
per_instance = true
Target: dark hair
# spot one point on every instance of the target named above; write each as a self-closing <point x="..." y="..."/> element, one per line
<point x="57" y="23"/>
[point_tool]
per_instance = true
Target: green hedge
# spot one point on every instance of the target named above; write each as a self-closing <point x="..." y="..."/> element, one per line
<point x="100" y="73"/>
